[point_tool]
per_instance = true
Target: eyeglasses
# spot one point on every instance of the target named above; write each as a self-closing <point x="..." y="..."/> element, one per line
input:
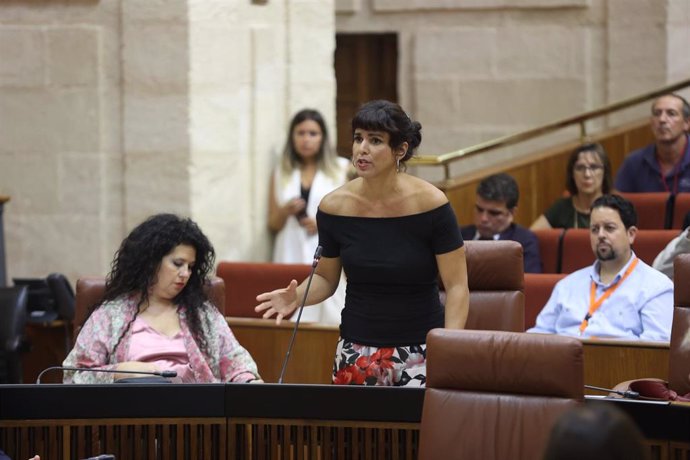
<point x="592" y="168"/>
<point x="491" y="212"/>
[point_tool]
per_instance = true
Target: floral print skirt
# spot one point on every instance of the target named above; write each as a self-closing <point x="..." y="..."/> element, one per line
<point x="357" y="364"/>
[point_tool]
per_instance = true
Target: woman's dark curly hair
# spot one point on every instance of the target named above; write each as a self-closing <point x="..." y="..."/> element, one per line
<point x="136" y="264"/>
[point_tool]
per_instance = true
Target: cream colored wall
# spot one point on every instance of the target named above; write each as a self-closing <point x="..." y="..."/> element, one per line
<point x="112" y="110"/>
<point x="473" y="70"/>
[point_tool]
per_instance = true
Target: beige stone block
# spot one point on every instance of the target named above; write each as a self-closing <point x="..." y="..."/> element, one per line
<point x="437" y="102"/>
<point x="677" y="51"/>
<point x="171" y="11"/>
<point x="629" y="12"/>
<point x="156" y="182"/>
<point x="220" y="56"/>
<point x="169" y="43"/>
<point x="22" y="56"/>
<point x="347" y="6"/>
<point x="80" y="184"/>
<point x="31" y="180"/>
<point x="526" y="102"/>
<point x="543" y="51"/>
<point x="156" y="123"/>
<point x="678" y="13"/>
<point x="632" y="58"/>
<point x="465" y="53"/>
<point x="38" y="245"/>
<point x="49" y="120"/>
<point x="311" y="14"/>
<point x="73" y="56"/>
<point x="407" y="5"/>
<point x="217" y="185"/>
<point x="319" y="95"/>
<point x="215" y="121"/>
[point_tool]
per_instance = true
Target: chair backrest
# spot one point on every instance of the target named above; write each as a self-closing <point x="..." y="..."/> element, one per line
<point x="495" y="280"/>
<point x="649" y="243"/>
<point x="550" y="243"/>
<point x="90" y="291"/>
<point x="679" y="353"/>
<point x="577" y="250"/>
<point x="245" y="280"/>
<point x="654" y="209"/>
<point x="538" y="288"/>
<point x="63" y="295"/>
<point x="13" y="315"/>
<point x="495" y="395"/>
<point x="681" y="207"/>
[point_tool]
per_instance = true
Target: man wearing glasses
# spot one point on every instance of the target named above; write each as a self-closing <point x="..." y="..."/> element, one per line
<point x="494" y="210"/>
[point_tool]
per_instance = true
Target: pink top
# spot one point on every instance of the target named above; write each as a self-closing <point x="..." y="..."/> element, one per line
<point x="167" y="353"/>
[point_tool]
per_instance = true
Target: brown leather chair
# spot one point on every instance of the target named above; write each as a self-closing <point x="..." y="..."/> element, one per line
<point x="245" y="280"/>
<point x="496" y="395"/>
<point x="90" y="291"/>
<point x="495" y="279"/>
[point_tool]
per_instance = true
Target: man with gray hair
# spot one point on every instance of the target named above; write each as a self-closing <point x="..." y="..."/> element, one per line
<point x="663" y="166"/>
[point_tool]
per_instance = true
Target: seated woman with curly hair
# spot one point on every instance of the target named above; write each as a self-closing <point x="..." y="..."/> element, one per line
<point x="155" y="315"/>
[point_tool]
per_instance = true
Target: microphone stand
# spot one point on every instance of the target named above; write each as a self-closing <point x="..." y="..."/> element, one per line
<point x="628" y="394"/>
<point x="317" y="257"/>
<point x="166" y="374"/>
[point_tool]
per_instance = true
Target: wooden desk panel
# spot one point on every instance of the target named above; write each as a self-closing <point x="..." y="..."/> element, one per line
<point x="311" y="359"/>
<point x="607" y="362"/>
<point x="610" y="362"/>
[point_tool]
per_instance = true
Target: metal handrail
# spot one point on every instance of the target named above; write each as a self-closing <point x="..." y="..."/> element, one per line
<point x="446" y="158"/>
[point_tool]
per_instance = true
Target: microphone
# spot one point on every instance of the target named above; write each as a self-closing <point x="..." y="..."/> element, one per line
<point x="628" y="394"/>
<point x="317" y="257"/>
<point x="166" y="374"/>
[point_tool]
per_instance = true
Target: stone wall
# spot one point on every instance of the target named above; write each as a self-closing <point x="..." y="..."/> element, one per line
<point x="473" y="70"/>
<point x="112" y="110"/>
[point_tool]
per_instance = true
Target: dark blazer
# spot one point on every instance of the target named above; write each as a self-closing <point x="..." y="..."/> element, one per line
<point x="515" y="232"/>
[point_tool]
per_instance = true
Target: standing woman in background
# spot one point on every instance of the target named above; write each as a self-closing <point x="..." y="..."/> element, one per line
<point x="393" y="233"/>
<point x="309" y="169"/>
<point x="588" y="176"/>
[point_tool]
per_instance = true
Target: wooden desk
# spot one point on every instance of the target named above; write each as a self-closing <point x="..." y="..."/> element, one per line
<point x="47" y="348"/>
<point x="239" y="421"/>
<point x="607" y="362"/>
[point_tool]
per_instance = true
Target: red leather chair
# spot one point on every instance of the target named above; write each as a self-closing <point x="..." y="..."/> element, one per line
<point x="90" y="291"/>
<point x="654" y="209"/>
<point x="681" y="207"/>
<point x="649" y="243"/>
<point x="245" y="280"/>
<point x="550" y="242"/>
<point x="538" y="288"/>
<point x="489" y="395"/>
<point x="577" y="250"/>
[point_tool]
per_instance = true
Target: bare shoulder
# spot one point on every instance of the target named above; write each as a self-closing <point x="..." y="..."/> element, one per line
<point x="336" y="201"/>
<point x="427" y="196"/>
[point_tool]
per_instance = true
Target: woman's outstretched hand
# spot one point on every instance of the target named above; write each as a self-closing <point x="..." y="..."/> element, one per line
<point x="280" y="302"/>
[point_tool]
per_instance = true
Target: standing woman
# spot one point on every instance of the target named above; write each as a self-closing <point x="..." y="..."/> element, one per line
<point x="155" y="314"/>
<point x="393" y="234"/>
<point x="308" y="171"/>
<point x="588" y="176"/>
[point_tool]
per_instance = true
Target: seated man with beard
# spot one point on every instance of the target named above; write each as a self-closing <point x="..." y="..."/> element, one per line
<point x="619" y="296"/>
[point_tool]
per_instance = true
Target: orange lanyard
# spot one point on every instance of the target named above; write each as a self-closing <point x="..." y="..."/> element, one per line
<point x="595" y="303"/>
